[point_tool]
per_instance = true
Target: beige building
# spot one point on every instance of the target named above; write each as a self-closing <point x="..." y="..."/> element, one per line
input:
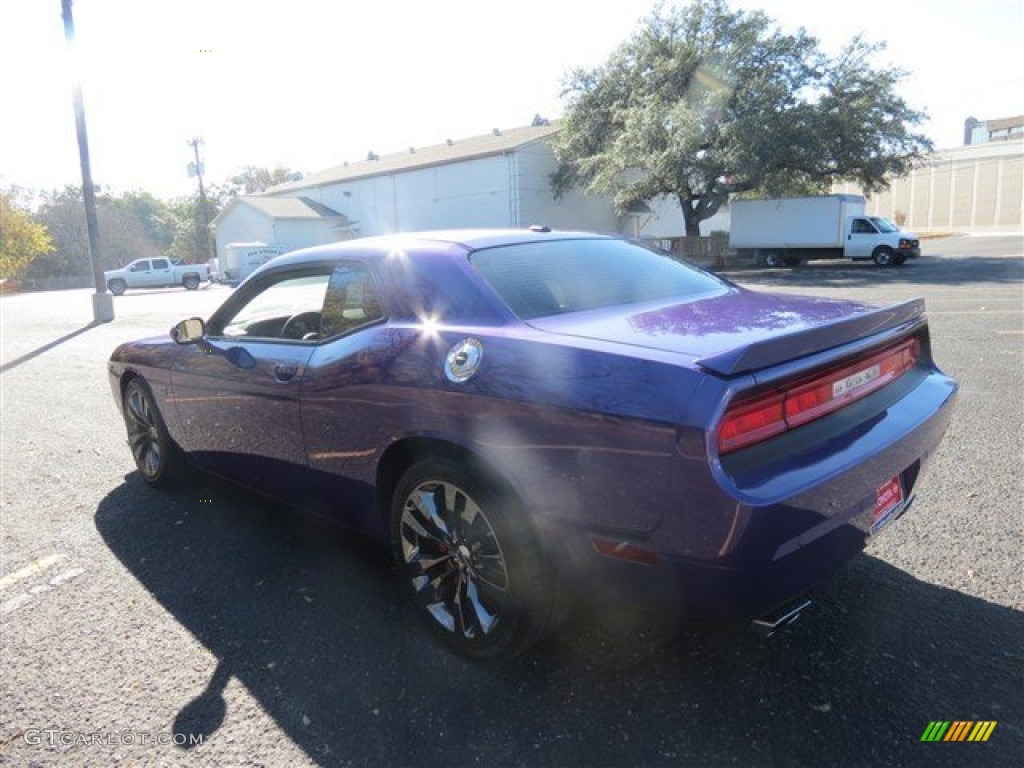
<point x="974" y="188"/>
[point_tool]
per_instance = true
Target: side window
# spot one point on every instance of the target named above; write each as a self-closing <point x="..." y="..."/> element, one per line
<point x="139" y="266"/>
<point x="352" y="300"/>
<point x="289" y="308"/>
<point x="863" y="227"/>
<point x="160" y="264"/>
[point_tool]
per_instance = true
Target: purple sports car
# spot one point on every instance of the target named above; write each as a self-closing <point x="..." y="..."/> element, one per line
<point x="526" y="414"/>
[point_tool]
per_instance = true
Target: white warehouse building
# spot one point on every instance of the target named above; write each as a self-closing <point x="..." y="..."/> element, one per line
<point x="501" y="179"/>
<point x="287" y="222"/>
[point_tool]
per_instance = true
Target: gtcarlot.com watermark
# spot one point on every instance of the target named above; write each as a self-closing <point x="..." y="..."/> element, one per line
<point x="52" y="737"/>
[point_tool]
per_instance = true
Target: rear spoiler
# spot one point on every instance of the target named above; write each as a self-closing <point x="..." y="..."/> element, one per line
<point x="781" y="349"/>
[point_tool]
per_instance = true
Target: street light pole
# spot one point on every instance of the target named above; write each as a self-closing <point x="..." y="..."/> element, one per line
<point x="102" y="302"/>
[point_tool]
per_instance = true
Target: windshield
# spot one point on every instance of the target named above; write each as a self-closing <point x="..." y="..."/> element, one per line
<point x="883" y="225"/>
<point x="559" y="276"/>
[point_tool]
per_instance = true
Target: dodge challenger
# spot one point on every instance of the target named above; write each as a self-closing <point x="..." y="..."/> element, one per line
<point x="525" y="415"/>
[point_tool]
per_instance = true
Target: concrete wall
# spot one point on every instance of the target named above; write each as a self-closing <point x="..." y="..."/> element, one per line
<point x="977" y="188"/>
<point x="532" y="166"/>
<point x="292" y="234"/>
<point x="473" y="193"/>
<point x="594" y="213"/>
<point x="507" y="190"/>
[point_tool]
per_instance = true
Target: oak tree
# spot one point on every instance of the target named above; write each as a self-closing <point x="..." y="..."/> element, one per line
<point x="703" y="102"/>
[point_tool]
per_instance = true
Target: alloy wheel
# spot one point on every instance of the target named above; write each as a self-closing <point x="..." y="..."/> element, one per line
<point x="454" y="560"/>
<point x="143" y="431"/>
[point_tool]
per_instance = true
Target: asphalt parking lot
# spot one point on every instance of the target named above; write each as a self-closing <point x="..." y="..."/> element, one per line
<point x="129" y="615"/>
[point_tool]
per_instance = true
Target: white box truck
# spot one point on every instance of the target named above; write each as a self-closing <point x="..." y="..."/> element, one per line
<point x="786" y="231"/>
<point x="240" y="260"/>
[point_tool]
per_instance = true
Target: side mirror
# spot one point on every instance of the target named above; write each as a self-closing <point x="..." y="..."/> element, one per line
<point x="189" y="331"/>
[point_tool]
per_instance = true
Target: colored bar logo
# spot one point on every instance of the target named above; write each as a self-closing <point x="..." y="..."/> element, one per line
<point x="958" y="730"/>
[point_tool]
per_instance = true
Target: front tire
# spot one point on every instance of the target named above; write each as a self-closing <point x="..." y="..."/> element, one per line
<point x="470" y="563"/>
<point x="156" y="455"/>
<point x="117" y="286"/>
<point x="883" y="257"/>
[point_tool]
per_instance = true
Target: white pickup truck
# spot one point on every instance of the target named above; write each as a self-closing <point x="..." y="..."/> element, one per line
<point x="156" y="273"/>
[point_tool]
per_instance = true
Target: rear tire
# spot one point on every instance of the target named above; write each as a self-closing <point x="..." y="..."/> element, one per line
<point x="469" y="561"/>
<point x="772" y="259"/>
<point x="117" y="286"/>
<point x="191" y="282"/>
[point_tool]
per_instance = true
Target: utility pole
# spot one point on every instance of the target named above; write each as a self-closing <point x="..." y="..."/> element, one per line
<point x="196" y="169"/>
<point x="102" y="302"/>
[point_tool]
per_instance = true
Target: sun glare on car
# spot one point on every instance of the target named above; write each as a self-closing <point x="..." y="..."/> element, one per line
<point x="429" y="326"/>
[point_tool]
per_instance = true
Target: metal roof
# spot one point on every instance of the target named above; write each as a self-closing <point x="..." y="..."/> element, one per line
<point x="295" y="208"/>
<point x="290" y="207"/>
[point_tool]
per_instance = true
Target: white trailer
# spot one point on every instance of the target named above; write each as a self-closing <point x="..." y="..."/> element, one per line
<point x="240" y="260"/>
<point x="794" y="229"/>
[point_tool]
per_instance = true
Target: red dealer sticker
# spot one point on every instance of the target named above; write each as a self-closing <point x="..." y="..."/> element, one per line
<point x="888" y="501"/>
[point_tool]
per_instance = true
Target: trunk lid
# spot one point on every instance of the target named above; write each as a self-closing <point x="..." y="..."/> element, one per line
<point x="738" y="330"/>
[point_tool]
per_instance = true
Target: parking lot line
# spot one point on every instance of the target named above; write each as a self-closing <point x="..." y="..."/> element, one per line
<point x="32" y="568"/>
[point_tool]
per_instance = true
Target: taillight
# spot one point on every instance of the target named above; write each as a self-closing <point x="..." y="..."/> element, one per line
<point x="751" y="420"/>
<point x="747" y="423"/>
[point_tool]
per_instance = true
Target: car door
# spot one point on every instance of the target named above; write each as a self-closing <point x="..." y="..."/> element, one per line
<point x="161" y="273"/>
<point x="140" y="270"/>
<point x="345" y="411"/>
<point x="236" y="392"/>
<point x="861" y="239"/>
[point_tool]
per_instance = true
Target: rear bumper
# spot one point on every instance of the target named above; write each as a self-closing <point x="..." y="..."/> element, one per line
<point x="683" y="587"/>
<point x="773" y="551"/>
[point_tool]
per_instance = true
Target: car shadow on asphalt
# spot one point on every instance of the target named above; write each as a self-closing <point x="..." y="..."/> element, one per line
<point x="311" y="620"/>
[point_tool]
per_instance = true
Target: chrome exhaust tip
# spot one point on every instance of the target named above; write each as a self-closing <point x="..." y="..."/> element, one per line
<point x="781" y="617"/>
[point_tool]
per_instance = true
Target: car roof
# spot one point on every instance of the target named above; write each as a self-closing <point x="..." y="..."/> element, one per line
<point x="465" y="239"/>
<point x="475" y="239"/>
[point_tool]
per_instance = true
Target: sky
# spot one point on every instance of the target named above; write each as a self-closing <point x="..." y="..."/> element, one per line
<point x="309" y="84"/>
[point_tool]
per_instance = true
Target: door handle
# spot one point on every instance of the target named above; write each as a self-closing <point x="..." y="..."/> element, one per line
<point x="285" y="373"/>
